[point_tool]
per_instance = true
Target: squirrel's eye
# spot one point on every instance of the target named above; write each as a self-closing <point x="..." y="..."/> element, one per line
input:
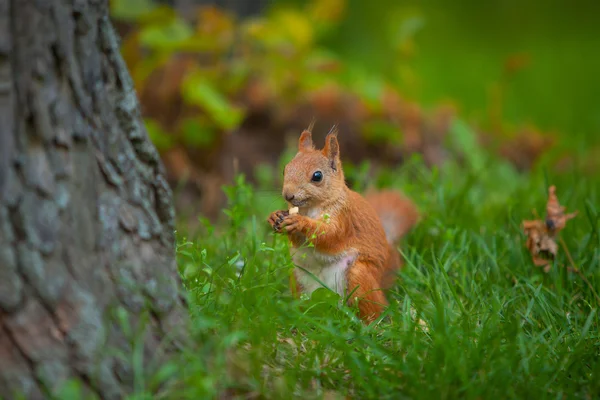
<point x="317" y="176"/>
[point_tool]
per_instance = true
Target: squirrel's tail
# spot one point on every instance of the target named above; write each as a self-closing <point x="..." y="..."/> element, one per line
<point x="397" y="213"/>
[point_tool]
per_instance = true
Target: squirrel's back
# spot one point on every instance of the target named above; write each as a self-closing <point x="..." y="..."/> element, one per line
<point x="370" y="234"/>
<point x="397" y="213"/>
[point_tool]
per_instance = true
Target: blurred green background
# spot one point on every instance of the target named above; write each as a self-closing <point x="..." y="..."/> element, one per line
<point x="461" y="50"/>
<point x="219" y="80"/>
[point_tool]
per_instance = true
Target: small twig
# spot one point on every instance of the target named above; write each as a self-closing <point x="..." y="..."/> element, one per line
<point x="577" y="270"/>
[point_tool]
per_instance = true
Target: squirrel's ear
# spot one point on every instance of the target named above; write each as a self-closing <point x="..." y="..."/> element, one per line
<point x="332" y="148"/>
<point x="305" y="142"/>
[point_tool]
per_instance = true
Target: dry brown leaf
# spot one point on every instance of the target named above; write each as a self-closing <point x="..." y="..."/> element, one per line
<point x="540" y="245"/>
<point x="541" y="235"/>
<point x="556" y="219"/>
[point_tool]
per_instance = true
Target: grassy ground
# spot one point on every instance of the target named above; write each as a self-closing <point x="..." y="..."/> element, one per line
<point x="496" y="326"/>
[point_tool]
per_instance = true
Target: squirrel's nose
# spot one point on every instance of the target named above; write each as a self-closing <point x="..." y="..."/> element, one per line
<point x="289" y="197"/>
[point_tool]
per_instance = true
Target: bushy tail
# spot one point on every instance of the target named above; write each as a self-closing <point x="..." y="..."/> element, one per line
<point x="397" y="213"/>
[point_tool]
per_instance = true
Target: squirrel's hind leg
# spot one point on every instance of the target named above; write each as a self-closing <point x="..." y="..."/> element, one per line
<point x="370" y="297"/>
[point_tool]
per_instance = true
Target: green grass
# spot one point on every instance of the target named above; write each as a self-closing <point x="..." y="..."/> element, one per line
<point x="498" y="327"/>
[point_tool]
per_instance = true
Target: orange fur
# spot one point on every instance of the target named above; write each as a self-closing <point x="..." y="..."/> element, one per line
<point x="397" y="213"/>
<point x="345" y="228"/>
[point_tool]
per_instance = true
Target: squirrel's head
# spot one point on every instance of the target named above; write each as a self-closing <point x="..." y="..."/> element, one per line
<point x="313" y="176"/>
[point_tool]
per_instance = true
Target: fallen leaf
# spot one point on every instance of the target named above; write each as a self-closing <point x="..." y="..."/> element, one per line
<point x="541" y="235"/>
<point x="556" y="219"/>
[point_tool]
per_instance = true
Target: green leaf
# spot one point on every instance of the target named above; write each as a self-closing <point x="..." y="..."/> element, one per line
<point x="233" y="259"/>
<point x="130" y="10"/>
<point x="199" y="91"/>
<point x="161" y="139"/>
<point x="325" y="296"/>
<point x="190" y="270"/>
<point x="167" y="36"/>
<point x="198" y="133"/>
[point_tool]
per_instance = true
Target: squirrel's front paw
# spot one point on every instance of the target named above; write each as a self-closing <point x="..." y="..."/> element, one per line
<point x="293" y="223"/>
<point x="276" y="218"/>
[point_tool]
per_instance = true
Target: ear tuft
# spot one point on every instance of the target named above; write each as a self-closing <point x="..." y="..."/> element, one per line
<point x="332" y="147"/>
<point x="312" y="124"/>
<point x="305" y="142"/>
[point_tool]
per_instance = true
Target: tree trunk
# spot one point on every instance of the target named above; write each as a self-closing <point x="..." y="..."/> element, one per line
<point x="88" y="280"/>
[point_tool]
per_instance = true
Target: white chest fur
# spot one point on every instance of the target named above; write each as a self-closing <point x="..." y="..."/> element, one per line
<point x="320" y="269"/>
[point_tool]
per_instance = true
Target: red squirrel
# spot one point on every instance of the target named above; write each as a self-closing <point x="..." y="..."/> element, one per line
<point x="353" y="237"/>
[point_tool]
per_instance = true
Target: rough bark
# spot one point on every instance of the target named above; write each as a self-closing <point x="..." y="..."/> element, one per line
<point x="87" y="267"/>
